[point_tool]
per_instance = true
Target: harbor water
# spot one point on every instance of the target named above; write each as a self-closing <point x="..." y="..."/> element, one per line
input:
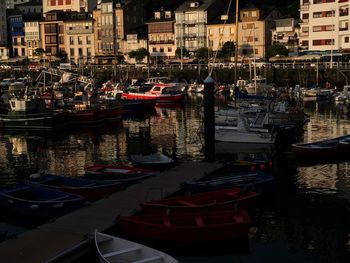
<point x="307" y="218"/>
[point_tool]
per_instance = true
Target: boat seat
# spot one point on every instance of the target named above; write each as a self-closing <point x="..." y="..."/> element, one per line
<point x="119" y="252"/>
<point x="199" y="221"/>
<point x="150" y="259"/>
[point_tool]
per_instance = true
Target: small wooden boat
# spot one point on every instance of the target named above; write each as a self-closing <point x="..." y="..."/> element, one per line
<point x="261" y="181"/>
<point x="325" y="150"/>
<point x="156" y="160"/>
<point x="188" y="227"/>
<point x="225" y="199"/>
<point x="120" y="173"/>
<point x="114" y="249"/>
<point x="31" y="200"/>
<point x="88" y="188"/>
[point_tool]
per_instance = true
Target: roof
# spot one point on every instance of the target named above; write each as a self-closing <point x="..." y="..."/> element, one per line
<point x="162" y="19"/>
<point x="31" y="3"/>
<point x="203" y="5"/>
<point x="217" y="20"/>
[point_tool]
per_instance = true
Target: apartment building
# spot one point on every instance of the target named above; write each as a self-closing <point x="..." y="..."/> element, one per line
<point x="191" y="19"/>
<point x="324" y="25"/>
<point x="31" y="7"/>
<point x="113" y="22"/>
<point x="161" y="35"/>
<point x="69" y="5"/>
<point x="254" y="32"/>
<point x="32" y="36"/>
<point x="220" y="30"/>
<point x="16" y="29"/>
<point x="286" y="32"/>
<point x="79" y="38"/>
<point x="52" y="33"/>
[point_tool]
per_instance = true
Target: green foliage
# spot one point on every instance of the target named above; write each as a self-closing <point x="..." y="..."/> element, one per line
<point x="276" y="49"/>
<point x="185" y="52"/>
<point x="39" y="52"/>
<point x="62" y="55"/>
<point x="228" y="49"/>
<point x="139" y="54"/>
<point x="202" y="53"/>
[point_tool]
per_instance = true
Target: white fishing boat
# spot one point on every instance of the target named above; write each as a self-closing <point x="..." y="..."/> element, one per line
<point x="155" y="160"/>
<point x="114" y="249"/>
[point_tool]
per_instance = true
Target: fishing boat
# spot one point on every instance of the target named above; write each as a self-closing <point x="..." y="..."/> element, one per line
<point x="120" y="173"/>
<point x="115" y="249"/>
<point x="225" y="199"/>
<point x="260" y="181"/>
<point x="155" y="160"/>
<point x="323" y="150"/>
<point x="163" y="93"/>
<point x="188" y="227"/>
<point x="31" y="200"/>
<point x="90" y="189"/>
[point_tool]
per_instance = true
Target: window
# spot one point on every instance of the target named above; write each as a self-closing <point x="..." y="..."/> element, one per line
<point x="50" y="28"/>
<point x="88" y="52"/>
<point x="170" y="49"/>
<point x="154" y="49"/>
<point x="80" y="51"/>
<point x="60" y="2"/>
<point x="72" y="52"/>
<point x="88" y="40"/>
<point x="61" y="40"/>
<point x="68" y="2"/>
<point x="52" y="2"/>
<point x="161" y="49"/>
<point x="346" y="39"/>
<point x="50" y="40"/>
<point x="71" y="40"/>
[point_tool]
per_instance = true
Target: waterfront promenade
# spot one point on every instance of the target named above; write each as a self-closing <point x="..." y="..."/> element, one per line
<point x="50" y="239"/>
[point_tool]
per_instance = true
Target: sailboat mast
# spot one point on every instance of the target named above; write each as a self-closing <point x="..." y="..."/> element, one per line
<point x="254" y="57"/>
<point x="236" y="44"/>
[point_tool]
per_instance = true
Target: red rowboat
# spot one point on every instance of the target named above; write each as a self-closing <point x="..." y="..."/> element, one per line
<point x="225" y="199"/>
<point x="192" y="227"/>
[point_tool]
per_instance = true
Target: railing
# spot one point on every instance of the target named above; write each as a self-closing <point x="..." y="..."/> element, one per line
<point x="152" y="42"/>
<point x="305" y="7"/>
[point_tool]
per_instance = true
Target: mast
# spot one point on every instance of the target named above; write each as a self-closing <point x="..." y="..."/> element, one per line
<point x="236" y="44"/>
<point x="254" y="59"/>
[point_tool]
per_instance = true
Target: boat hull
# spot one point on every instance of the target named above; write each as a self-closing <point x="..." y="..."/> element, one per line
<point x="160" y="98"/>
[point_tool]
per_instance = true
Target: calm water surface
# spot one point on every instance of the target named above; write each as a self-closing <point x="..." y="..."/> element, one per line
<point x="306" y="220"/>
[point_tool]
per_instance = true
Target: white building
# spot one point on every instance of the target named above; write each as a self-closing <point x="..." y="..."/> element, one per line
<point x="132" y="42"/>
<point x="69" y="5"/>
<point x="31" y="7"/>
<point x="10" y="4"/>
<point x="325" y="25"/>
<point x="32" y="37"/>
<point x="286" y="33"/>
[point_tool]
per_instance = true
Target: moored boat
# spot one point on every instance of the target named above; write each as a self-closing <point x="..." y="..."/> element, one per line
<point x="188" y="227"/>
<point x="30" y="200"/>
<point x="225" y="199"/>
<point x="90" y="189"/>
<point x="155" y="160"/>
<point x="114" y="249"/>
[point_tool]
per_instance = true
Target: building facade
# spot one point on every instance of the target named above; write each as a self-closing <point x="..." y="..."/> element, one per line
<point x="79" y="38"/>
<point x="69" y="5"/>
<point x="286" y="33"/>
<point x="254" y="32"/>
<point x="31" y="7"/>
<point x="220" y="31"/>
<point x="16" y="29"/>
<point x="191" y="19"/>
<point x="10" y="4"/>
<point x="324" y="25"/>
<point x="32" y="37"/>
<point x="4" y="51"/>
<point x="161" y="35"/>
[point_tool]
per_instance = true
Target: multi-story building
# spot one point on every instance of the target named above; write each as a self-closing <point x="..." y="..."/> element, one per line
<point x="191" y="19"/>
<point x="79" y="37"/>
<point x="286" y="33"/>
<point x="4" y="51"/>
<point x="254" y="32"/>
<point x="52" y="33"/>
<point x="219" y="31"/>
<point x="31" y="7"/>
<point x="324" y="25"/>
<point x="16" y="29"/>
<point x="32" y="35"/>
<point x="161" y="35"/>
<point x="10" y="4"/>
<point x="113" y="21"/>
<point x="132" y="42"/>
<point x="69" y="5"/>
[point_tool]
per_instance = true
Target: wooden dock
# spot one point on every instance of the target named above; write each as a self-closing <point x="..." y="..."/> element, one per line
<point x="51" y="239"/>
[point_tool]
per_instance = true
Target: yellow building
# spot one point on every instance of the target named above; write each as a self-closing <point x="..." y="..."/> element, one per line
<point x="254" y="32"/>
<point x="220" y="31"/>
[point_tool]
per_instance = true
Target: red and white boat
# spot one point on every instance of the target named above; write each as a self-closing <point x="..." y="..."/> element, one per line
<point x="188" y="227"/>
<point x="164" y="93"/>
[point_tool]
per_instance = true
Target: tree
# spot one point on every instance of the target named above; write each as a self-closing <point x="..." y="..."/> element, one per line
<point x="228" y="49"/>
<point x="185" y="52"/>
<point x="39" y="52"/>
<point x="202" y="53"/>
<point x="139" y="54"/>
<point x="62" y="55"/>
<point x="276" y="49"/>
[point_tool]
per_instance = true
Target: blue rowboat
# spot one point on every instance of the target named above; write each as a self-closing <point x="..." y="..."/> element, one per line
<point x="34" y="201"/>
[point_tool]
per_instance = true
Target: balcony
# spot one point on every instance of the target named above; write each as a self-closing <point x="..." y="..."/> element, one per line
<point x="344" y="12"/>
<point x="304" y="34"/>
<point x="305" y="7"/>
<point x="343" y="1"/>
<point x="345" y="28"/>
<point x="156" y="42"/>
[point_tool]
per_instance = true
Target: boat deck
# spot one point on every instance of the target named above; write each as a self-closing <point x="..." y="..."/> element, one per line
<point x="51" y="239"/>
